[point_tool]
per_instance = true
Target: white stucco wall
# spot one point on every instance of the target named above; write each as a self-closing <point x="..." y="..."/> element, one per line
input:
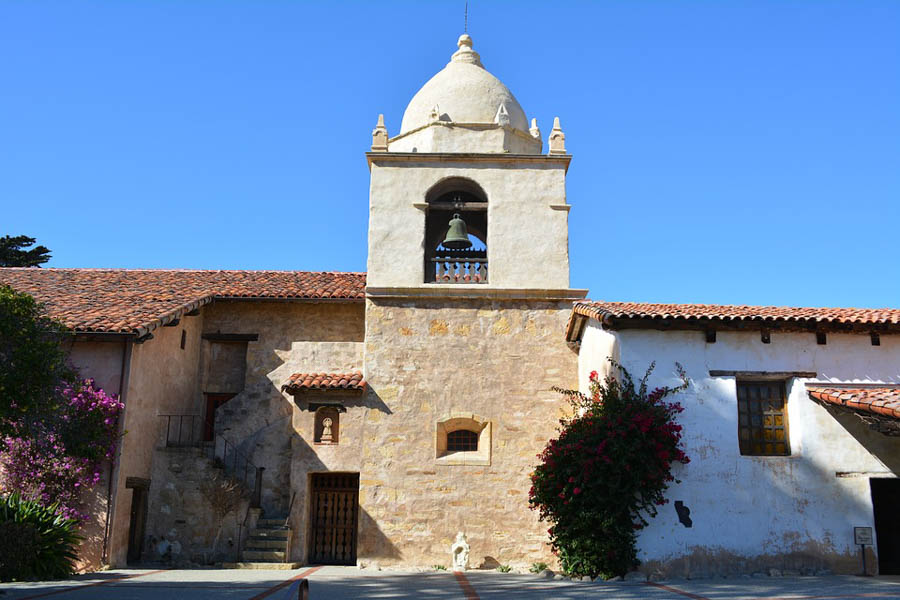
<point x="751" y="513"/>
<point x="528" y="242"/>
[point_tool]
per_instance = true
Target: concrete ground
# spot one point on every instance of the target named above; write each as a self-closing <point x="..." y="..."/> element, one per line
<point x="344" y="583"/>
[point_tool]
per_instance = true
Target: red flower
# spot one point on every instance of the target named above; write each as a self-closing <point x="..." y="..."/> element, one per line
<point x="576" y="491"/>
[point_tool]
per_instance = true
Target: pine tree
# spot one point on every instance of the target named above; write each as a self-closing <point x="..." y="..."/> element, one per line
<point x="13" y="253"/>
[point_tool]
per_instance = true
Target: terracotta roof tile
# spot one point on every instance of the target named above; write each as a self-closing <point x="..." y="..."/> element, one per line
<point x="700" y="315"/>
<point x="883" y="401"/>
<point x="325" y="381"/>
<point x="138" y="300"/>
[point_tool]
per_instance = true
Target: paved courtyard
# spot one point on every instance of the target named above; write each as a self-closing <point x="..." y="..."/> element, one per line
<point x="340" y="583"/>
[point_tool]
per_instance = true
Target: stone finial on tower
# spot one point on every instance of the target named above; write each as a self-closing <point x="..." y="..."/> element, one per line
<point x="557" y="138"/>
<point x="535" y="131"/>
<point x="465" y="53"/>
<point x="502" y="116"/>
<point x="380" y="136"/>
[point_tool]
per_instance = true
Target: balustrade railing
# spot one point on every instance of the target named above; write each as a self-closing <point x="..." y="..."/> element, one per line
<point x="459" y="266"/>
<point x="185" y="431"/>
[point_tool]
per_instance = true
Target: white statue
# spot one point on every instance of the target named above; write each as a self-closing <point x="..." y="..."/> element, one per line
<point x="460" y="552"/>
<point x="326" y="430"/>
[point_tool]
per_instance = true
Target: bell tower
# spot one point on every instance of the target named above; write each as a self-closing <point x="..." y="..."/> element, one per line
<point x="467" y="298"/>
<point x="466" y="162"/>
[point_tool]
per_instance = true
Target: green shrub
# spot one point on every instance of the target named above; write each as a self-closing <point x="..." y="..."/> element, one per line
<point x="439" y="567"/>
<point x="37" y="543"/>
<point x="538" y="567"/>
<point x="504" y="568"/>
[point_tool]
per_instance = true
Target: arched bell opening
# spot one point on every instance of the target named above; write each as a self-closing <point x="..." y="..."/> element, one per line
<point x="456" y="232"/>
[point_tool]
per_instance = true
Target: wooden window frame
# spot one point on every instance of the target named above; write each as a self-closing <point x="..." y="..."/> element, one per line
<point x="749" y="442"/>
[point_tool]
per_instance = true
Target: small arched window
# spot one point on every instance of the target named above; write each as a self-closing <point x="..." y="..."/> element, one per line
<point x="464" y="258"/>
<point x="462" y="440"/>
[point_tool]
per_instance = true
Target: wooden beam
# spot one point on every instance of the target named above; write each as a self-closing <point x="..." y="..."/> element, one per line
<point x="762" y="374"/>
<point x="231" y="337"/>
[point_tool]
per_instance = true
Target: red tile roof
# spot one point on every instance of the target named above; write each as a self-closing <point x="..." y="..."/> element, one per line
<point x="138" y="300"/>
<point x="615" y="315"/>
<point x="325" y="381"/>
<point x="883" y="401"/>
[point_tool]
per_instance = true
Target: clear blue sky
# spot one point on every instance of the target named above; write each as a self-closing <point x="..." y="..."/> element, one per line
<point x="724" y="152"/>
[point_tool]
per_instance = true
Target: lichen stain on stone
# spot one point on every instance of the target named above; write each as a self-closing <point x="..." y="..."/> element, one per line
<point x="462" y="330"/>
<point x="501" y="326"/>
<point x="438" y="327"/>
<point x="406" y="331"/>
<point x="530" y="327"/>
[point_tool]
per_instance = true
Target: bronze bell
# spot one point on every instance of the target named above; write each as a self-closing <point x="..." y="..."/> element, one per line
<point x="457" y="236"/>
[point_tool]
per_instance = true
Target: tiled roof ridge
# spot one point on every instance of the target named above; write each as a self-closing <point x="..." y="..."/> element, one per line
<point x="588" y="302"/>
<point x="137" y="301"/>
<point x="172" y="270"/>
<point x="352" y="380"/>
<point x="687" y="316"/>
<point x="883" y="400"/>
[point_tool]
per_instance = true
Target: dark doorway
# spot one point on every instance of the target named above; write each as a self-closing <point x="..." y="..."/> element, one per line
<point x="334" y="508"/>
<point x="885" y="500"/>
<point x="138" y="523"/>
<point x="213" y="401"/>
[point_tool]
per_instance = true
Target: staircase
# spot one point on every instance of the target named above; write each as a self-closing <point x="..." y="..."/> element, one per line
<point x="268" y="547"/>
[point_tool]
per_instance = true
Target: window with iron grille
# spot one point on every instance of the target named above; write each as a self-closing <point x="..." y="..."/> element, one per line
<point x="462" y="440"/>
<point x="762" y="418"/>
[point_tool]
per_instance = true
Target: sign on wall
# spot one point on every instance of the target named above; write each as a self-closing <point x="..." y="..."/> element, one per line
<point x="862" y="536"/>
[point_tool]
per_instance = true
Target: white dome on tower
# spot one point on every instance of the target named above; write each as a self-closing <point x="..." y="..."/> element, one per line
<point x="463" y="92"/>
<point x="464" y="108"/>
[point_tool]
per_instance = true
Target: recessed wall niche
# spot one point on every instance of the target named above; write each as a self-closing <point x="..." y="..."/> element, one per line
<point x="327" y="425"/>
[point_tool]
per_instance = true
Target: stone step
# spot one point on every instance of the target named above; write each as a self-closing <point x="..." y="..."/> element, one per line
<point x="281" y="566"/>
<point x="277" y="534"/>
<point x="271" y="522"/>
<point x="254" y="543"/>
<point x="263" y="555"/>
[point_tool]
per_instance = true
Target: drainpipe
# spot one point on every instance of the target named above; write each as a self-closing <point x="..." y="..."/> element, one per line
<point x="112" y="488"/>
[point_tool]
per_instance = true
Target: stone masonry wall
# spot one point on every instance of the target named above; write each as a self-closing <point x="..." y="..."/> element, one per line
<point x="426" y="360"/>
<point x="293" y="337"/>
<point x="185" y="526"/>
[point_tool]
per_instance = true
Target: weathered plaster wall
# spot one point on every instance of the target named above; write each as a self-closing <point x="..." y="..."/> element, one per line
<point x="752" y="513"/>
<point x="528" y="242"/>
<point x="103" y="362"/>
<point x="182" y="502"/>
<point x="293" y="337"/>
<point x="163" y="379"/>
<point x="431" y="359"/>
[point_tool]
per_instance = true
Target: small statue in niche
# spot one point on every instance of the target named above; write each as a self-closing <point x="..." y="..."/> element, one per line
<point x="460" y="552"/>
<point x="327" y="437"/>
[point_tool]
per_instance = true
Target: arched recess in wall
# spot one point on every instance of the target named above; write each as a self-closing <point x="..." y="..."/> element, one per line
<point x="327" y="425"/>
<point x="445" y="200"/>
<point x="462" y="439"/>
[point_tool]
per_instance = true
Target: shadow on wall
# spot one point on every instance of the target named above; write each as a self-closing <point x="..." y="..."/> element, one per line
<point x="800" y="511"/>
<point x="884" y="448"/>
<point x="372" y="543"/>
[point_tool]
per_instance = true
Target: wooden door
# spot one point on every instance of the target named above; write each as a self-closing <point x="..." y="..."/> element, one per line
<point x="334" y="508"/>
<point x="213" y="401"/>
<point x="137" y="524"/>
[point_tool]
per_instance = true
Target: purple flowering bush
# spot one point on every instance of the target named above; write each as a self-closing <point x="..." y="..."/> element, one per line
<point x="58" y="458"/>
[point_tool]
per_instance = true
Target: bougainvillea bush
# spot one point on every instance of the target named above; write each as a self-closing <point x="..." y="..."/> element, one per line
<point x="607" y="472"/>
<point x="55" y="460"/>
